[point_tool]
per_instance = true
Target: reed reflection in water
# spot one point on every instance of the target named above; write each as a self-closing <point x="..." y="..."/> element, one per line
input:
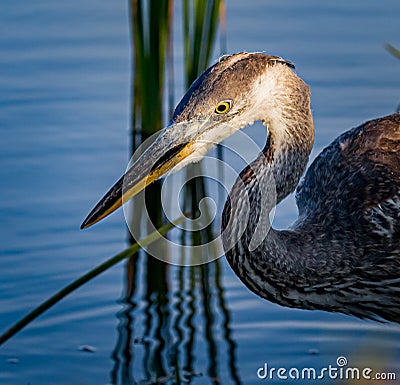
<point x="174" y="326"/>
<point x="177" y="335"/>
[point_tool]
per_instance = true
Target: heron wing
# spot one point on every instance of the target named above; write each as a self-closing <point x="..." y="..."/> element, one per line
<point x="349" y="206"/>
<point x="356" y="181"/>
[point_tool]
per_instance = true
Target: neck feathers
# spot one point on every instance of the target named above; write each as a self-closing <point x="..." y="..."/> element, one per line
<point x="277" y="170"/>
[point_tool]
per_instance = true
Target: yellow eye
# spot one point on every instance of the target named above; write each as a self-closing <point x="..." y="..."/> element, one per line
<point x="223" y="107"/>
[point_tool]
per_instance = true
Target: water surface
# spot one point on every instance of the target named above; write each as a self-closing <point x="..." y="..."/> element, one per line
<point x="64" y="121"/>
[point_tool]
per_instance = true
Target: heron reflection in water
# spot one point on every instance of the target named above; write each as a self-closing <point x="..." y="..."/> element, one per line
<point x="343" y="252"/>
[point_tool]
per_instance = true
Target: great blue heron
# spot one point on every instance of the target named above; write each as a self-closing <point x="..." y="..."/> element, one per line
<point x="343" y="253"/>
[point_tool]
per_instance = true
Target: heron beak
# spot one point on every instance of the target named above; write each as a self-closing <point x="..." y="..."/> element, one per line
<point x="163" y="155"/>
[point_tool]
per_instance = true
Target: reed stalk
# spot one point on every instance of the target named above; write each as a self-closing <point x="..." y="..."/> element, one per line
<point x="61" y="294"/>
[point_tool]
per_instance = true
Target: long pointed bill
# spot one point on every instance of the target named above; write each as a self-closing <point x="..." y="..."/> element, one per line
<point x="163" y="155"/>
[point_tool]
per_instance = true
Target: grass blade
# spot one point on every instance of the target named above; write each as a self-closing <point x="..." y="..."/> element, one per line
<point x="394" y="51"/>
<point x="127" y="253"/>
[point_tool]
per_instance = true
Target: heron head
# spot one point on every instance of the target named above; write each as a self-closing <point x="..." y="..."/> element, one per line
<point x="231" y="94"/>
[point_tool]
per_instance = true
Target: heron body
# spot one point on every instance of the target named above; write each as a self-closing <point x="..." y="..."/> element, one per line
<point x="343" y="252"/>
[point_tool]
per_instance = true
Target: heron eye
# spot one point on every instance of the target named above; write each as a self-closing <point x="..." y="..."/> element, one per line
<point x="223" y="107"/>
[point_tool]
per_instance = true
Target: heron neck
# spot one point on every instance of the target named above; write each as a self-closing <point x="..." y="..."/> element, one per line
<point x="288" y="146"/>
<point x="272" y="176"/>
<point x="249" y="240"/>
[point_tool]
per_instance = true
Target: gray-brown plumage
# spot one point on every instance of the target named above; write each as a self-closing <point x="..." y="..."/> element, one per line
<point x="343" y="252"/>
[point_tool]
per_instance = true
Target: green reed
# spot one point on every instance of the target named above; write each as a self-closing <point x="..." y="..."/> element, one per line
<point x="170" y="294"/>
<point x="151" y="27"/>
<point x="200" y="20"/>
<point x="396" y="53"/>
<point x="61" y="294"/>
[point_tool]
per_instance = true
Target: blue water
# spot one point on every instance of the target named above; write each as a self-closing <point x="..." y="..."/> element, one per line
<point x="64" y="119"/>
